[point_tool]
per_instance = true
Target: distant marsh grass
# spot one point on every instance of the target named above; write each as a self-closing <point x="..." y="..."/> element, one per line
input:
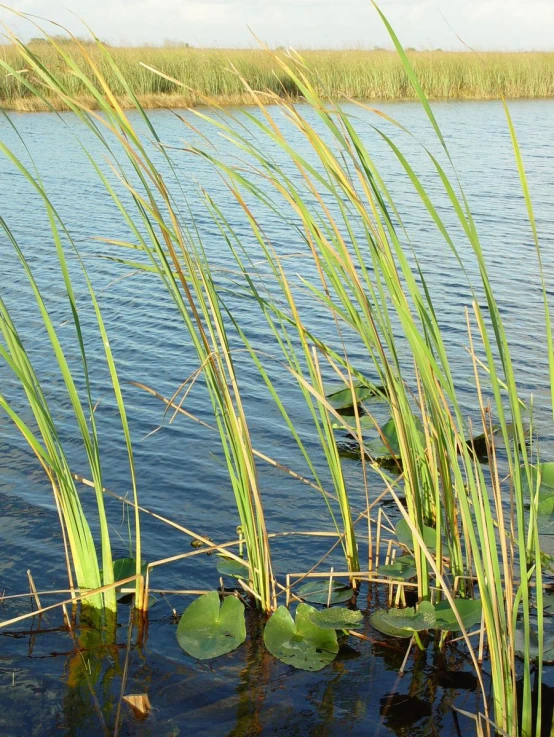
<point x="352" y="73"/>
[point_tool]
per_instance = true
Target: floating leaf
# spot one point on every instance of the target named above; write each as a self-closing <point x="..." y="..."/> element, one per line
<point x="366" y="423"/>
<point x="404" y="622"/>
<point x="468" y="609"/>
<point x="126" y="568"/>
<point x="387" y="445"/>
<point x="404" y="535"/>
<point x="318" y="592"/>
<point x="381" y="622"/>
<point x="532" y="647"/>
<point x="300" y="643"/>
<point x="546" y="481"/>
<point x="545" y="514"/>
<point x="403" y="568"/>
<point x="336" y="618"/>
<point x="342" y="397"/>
<point x="207" y="630"/>
<point x="231" y="567"/>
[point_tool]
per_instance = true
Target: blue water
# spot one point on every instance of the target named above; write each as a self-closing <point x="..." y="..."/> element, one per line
<point x="180" y="467"/>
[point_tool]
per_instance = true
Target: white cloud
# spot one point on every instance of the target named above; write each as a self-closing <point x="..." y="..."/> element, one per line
<point x="306" y="23"/>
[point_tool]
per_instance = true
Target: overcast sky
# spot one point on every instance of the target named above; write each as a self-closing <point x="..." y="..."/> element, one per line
<point x="483" y="24"/>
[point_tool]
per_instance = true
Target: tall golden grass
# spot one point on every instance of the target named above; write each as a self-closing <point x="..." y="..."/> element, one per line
<point x="216" y="74"/>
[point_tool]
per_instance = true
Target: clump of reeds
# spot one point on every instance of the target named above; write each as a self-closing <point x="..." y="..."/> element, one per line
<point x="369" y="285"/>
<point x="216" y="74"/>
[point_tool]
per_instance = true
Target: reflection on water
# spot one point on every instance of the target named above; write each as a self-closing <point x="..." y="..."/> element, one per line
<point x="56" y="683"/>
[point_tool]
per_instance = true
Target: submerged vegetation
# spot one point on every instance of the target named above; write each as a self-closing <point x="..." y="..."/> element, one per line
<point x="471" y="497"/>
<point x="221" y="75"/>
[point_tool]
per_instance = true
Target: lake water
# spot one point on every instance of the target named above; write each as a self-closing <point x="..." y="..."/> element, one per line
<point x="180" y="470"/>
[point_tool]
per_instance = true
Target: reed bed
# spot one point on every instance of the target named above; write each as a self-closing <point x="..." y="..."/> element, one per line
<point x="216" y="74"/>
<point x="472" y="528"/>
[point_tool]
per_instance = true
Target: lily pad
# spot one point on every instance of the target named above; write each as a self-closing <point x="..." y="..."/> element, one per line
<point x="391" y="447"/>
<point x="381" y="622"/>
<point x="207" y="630"/>
<point x="468" y="609"/>
<point x="548" y="603"/>
<point x="404" y="535"/>
<point x="366" y="423"/>
<point x="546" y="482"/>
<point x="387" y="445"/>
<point x="231" y="567"/>
<point x="402" y="569"/>
<point x="548" y="644"/>
<point x="125" y="568"/>
<point x="545" y="515"/>
<point x="342" y="397"/>
<point x="404" y="622"/>
<point x="318" y="592"/>
<point x="336" y="618"/>
<point x="300" y="643"/>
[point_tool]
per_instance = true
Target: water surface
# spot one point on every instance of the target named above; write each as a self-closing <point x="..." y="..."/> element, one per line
<point x="180" y="470"/>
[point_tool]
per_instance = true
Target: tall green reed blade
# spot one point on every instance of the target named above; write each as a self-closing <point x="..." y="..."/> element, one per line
<point x="527" y="543"/>
<point x="50" y="451"/>
<point x="303" y="363"/>
<point x="443" y="483"/>
<point x="176" y="257"/>
<point x="443" y="468"/>
<point x="340" y="274"/>
<point x="86" y="422"/>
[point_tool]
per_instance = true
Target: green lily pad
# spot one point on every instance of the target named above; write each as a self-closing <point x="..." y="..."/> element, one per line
<point x="546" y="483"/>
<point x="387" y="445"/>
<point x="336" y="618"/>
<point x="366" y="423"/>
<point x="533" y="645"/>
<point x="300" y="643"/>
<point x="207" y="630"/>
<point x="403" y="568"/>
<point x="318" y="592"/>
<point x="545" y="515"/>
<point x="342" y="397"/>
<point x="378" y="447"/>
<point x="381" y="622"/>
<point x="404" y="535"/>
<point x="468" y="609"/>
<point x="125" y="568"/>
<point x="548" y="604"/>
<point x="404" y="622"/>
<point x="231" y="567"/>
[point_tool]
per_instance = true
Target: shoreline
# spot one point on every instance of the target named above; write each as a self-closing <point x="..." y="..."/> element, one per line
<point x="30" y="104"/>
<point x="183" y="77"/>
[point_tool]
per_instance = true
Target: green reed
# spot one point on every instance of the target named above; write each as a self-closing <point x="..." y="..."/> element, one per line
<point x="371" y="286"/>
<point x="175" y="255"/>
<point x="443" y="482"/>
<point x="43" y="437"/>
<point x="215" y="73"/>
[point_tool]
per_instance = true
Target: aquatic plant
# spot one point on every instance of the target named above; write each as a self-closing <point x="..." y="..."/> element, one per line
<point x="445" y="487"/>
<point x="216" y="74"/>
<point x="207" y="630"/>
<point x="174" y="253"/>
<point x="469" y="531"/>
<point x="45" y="437"/>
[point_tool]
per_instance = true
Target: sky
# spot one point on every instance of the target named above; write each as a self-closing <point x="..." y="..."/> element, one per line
<point x="429" y="24"/>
